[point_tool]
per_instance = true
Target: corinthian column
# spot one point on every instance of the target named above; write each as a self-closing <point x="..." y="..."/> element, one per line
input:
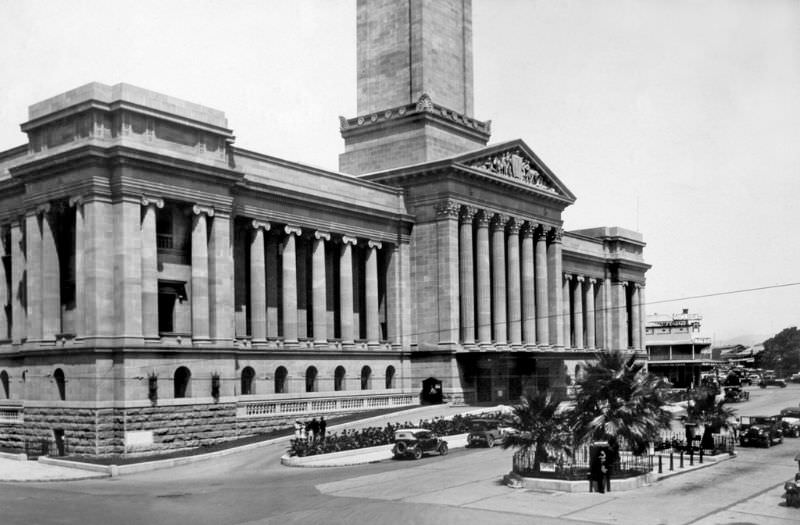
<point x="373" y="317"/>
<point x="319" y="289"/>
<point x="346" y="290"/>
<point x="290" y="285"/>
<point x="528" y="287"/>
<point x="500" y="324"/>
<point x="149" y="267"/>
<point x="200" y="307"/>
<point x="588" y="302"/>
<point x="540" y="270"/>
<point x="565" y="311"/>
<point x="258" y="282"/>
<point x="484" y="291"/>
<point x="466" y="279"/>
<point x="577" y="300"/>
<point x="636" y="341"/>
<point x="514" y="284"/>
<point x="555" y="297"/>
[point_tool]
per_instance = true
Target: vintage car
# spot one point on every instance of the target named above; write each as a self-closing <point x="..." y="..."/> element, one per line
<point x="760" y="430"/>
<point x="485" y="432"/>
<point x="415" y="442"/>
<point x="790" y="422"/>
<point x="795" y="378"/>
<point x="764" y="383"/>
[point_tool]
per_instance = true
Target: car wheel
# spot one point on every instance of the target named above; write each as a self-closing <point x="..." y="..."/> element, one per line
<point x="490" y="441"/>
<point x="417" y="453"/>
<point x="443" y="449"/>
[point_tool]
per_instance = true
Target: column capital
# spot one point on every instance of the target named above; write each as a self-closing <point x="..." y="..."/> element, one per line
<point x="567" y="277"/>
<point x="499" y="222"/>
<point x="374" y="244"/>
<point x="198" y="209"/>
<point x="76" y="201"/>
<point x="482" y="218"/>
<point x="638" y="285"/>
<point x="579" y="278"/>
<point x="513" y="226"/>
<point x="152" y="201"/>
<point x="556" y="234"/>
<point x="528" y="229"/>
<point x="349" y="240"/>
<point x="593" y="281"/>
<point x="541" y="232"/>
<point x="448" y="208"/>
<point x="322" y="235"/>
<point x="42" y="208"/>
<point x="260" y="225"/>
<point x="467" y="213"/>
<point x="292" y="230"/>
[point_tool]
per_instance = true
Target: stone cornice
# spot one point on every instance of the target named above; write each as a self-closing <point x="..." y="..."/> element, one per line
<point x="425" y="109"/>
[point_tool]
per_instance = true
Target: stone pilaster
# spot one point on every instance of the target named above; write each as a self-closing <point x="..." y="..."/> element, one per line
<point x="619" y="316"/>
<point x="466" y="276"/>
<point x="588" y="302"/>
<point x="346" y="290"/>
<point x="5" y="294"/>
<point x="149" y="263"/>
<point x="447" y="273"/>
<point x="601" y="314"/>
<point x="514" y="284"/>
<point x="577" y="301"/>
<point x="566" y="314"/>
<point x="372" y="306"/>
<point x="636" y="341"/>
<point x="484" y="285"/>
<point x="290" y="284"/>
<point x="80" y="268"/>
<point x="18" y="264"/>
<point x="51" y="276"/>
<point x="319" y="289"/>
<point x="394" y="289"/>
<point x="555" y="298"/>
<point x="528" y="286"/>
<point x="258" y="282"/>
<point x="500" y="318"/>
<point x="128" y="267"/>
<point x="642" y="318"/>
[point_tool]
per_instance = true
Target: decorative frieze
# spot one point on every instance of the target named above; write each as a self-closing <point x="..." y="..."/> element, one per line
<point x="514" y="165"/>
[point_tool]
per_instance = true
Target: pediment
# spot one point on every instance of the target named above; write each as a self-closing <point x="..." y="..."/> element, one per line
<point x="516" y="162"/>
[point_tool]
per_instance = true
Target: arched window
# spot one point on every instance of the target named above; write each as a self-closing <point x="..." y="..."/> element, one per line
<point x="389" y="377"/>
<point x="311" y="379"/>
<point x="338" y="378"/>
<point x="182" y="382"/>
<point x="366" y="378"/>
<point x="4" y="384"/>
<point x="248" y="381"/>
<point x="61" y="383"/>
<point x="280" y="380"/>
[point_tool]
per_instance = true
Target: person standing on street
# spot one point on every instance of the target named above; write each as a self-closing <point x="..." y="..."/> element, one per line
<point x="322" y="427"/>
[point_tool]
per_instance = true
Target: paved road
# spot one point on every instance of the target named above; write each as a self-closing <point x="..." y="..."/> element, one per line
<point x="463" y="487"/>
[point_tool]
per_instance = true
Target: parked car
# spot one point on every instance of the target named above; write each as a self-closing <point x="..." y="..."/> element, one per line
<point x="760" y="430"/>
<point x="795" y="378"/>
<point x="485" y="432"/>
<point x="764" y="383"/>
<point x="754" y="378"/>
<point x="790" y="422"/>
<point x="415" y="442"/>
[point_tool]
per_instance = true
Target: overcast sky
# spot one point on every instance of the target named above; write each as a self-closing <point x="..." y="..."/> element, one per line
<point x="680" y="119"/>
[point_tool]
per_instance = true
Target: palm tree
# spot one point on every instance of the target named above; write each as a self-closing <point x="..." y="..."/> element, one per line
<point x="539" y="426"/>
<point x="617" y="398"/>
<point x="704" y="409"/>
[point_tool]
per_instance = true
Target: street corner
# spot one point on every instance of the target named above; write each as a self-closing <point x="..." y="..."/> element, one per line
<point x="768" y="507"/>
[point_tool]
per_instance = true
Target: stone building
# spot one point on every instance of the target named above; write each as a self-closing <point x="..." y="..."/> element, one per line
<point x="164" y="288"/>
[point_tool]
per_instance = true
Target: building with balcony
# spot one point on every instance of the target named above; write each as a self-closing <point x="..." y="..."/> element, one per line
<point x="676" y="348"/>
<point x="164" y="288"/>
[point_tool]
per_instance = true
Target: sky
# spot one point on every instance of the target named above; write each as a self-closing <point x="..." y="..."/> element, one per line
<point x="679" y="119"/>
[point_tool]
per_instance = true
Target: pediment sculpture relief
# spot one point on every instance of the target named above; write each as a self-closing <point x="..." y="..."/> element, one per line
<point x="514" y="166"/>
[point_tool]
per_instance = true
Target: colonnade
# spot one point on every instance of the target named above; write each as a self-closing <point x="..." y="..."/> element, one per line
<point x="507" y="270"/>
<point x="322" y="327"/>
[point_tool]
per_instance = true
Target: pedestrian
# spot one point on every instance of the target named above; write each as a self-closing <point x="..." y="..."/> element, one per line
<point x="303" y="430"/>
<point x="323" y="425"/>
<point x="313" y="431"/>
<point x="298" y="427"/>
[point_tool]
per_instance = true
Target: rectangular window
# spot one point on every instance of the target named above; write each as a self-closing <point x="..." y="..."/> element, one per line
<point x="168" y="293"/>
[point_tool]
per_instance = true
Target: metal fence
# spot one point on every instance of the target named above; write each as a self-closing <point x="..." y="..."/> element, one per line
<point x="576" y="467"/>
<point x="673" y="441"/>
